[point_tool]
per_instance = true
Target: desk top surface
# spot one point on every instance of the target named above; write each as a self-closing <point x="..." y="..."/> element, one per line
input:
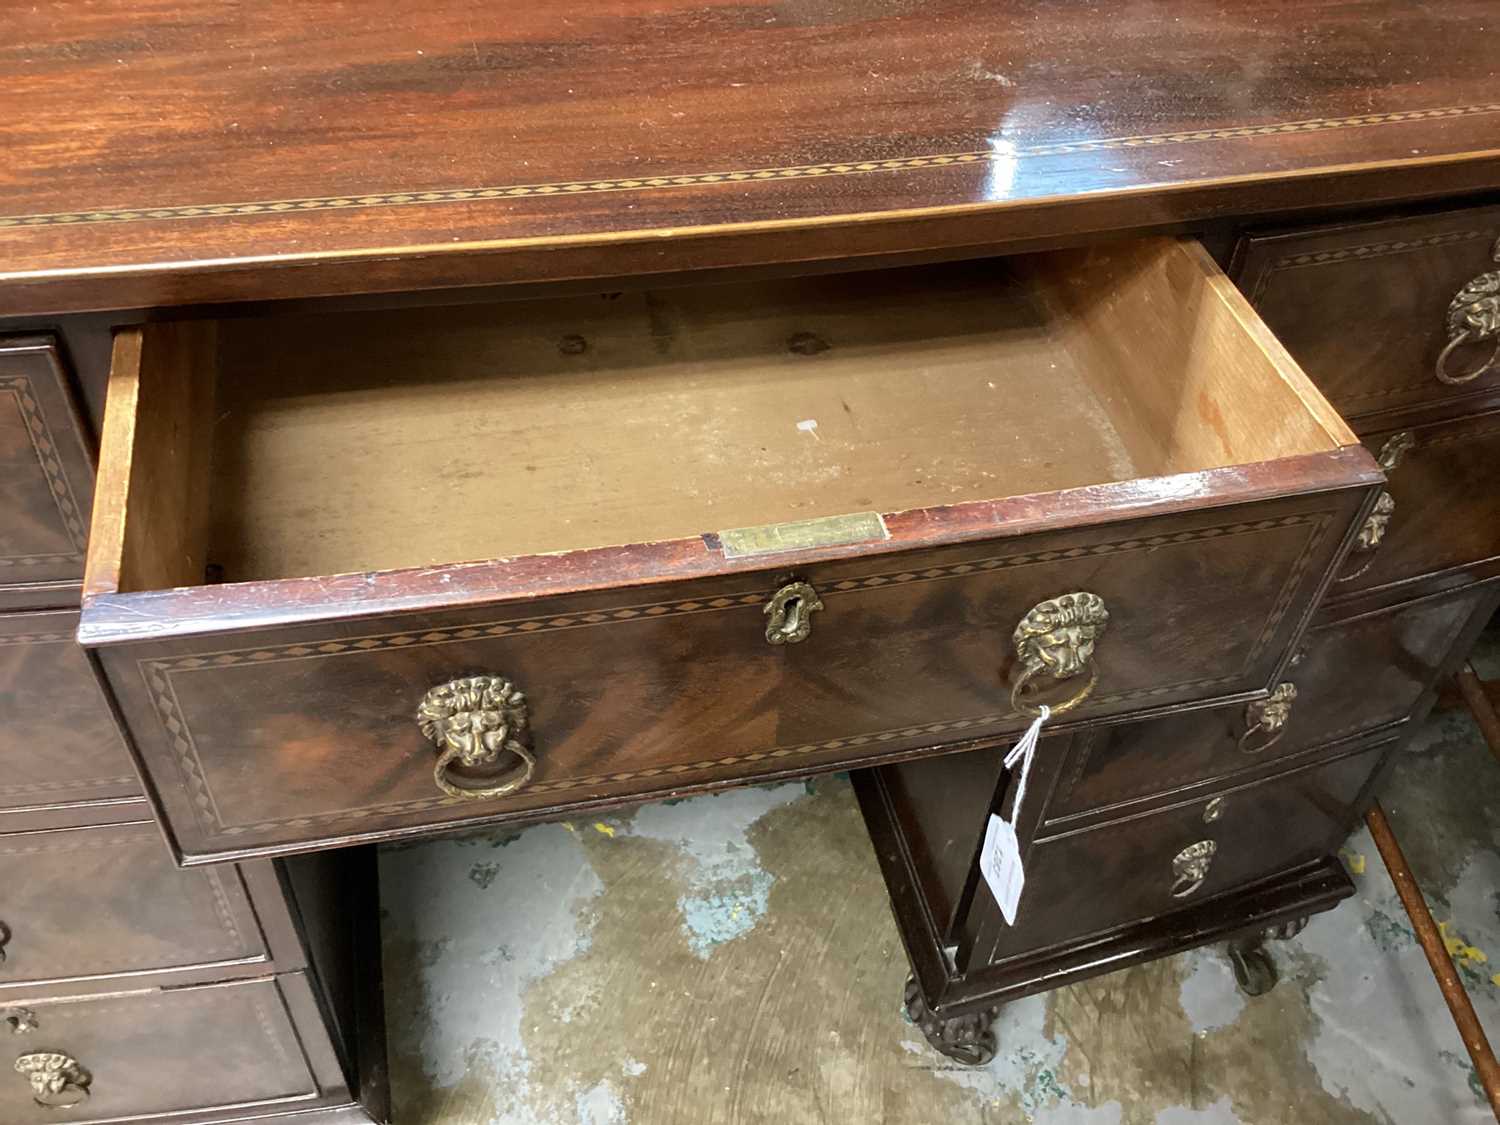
<point x="186" y="150"/>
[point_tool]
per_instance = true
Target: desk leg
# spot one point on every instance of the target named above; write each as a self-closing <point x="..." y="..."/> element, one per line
<point x="969" y="1038"/>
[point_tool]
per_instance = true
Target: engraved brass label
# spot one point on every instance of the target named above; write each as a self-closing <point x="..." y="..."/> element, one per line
<point x="803" y="535"/>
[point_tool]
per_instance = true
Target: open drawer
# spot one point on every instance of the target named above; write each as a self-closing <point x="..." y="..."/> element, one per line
<point x="730" y="533"/>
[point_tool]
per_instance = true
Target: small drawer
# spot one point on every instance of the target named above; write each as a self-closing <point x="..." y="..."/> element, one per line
<point x="46" y="477"/>
<point x="216" y="1052"/>
<point x="731" y="533"/>
<point x="87" y="903"/>
<point x="1440" y="512"/>
<point x="1350" y="677"/>
<point x="1385" y="315"/>
<point x="61" y="757"/>
<point x="1087" y="883"/>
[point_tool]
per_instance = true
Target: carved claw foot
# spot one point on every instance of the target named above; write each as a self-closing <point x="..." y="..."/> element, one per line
<point x="1254" y="971"/>
<point x="967" y="1039"/>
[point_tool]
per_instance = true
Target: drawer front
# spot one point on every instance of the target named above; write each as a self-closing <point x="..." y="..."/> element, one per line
<point x="144" y="1055"/>
<point x="305" y="736"/>
<point x="1351" y="677"/>
<point x="46" y="471"/>
<point x="1365" y="307"/>
<point x="1135" y="870"/>
<point x="59" y="747"/>
<point x="93" y="902"/>
<point x="1444" y="485"/>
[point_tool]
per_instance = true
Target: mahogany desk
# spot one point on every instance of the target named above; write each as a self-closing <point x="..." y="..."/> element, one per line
<point x="434" y="485"/>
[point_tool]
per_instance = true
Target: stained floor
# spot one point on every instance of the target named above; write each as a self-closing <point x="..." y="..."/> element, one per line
<point x="730" y="960"/>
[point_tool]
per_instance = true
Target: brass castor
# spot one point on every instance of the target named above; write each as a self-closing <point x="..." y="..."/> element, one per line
<point x="1254" y="971"/>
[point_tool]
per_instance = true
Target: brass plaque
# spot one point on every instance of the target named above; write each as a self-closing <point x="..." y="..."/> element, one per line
<point x="803" y="535"/>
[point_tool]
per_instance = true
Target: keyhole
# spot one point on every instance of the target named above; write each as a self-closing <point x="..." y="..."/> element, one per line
<point x="791" y="611"/>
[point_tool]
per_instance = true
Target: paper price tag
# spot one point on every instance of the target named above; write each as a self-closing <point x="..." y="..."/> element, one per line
<point x="1000" y="864"/>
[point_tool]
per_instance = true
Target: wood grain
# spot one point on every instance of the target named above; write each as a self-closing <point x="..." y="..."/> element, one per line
<point x="62" y="759"/>
<point x="542" y="427"/>
<point x="1363" y="305"/>
<point x="1170" y="344"/>
<point x="150" y="520"/>
<point x="220" y="1052"/>
<point x="46" y="476"/>
<point x="1446" y="524"/>
<point x="164" y="154"/>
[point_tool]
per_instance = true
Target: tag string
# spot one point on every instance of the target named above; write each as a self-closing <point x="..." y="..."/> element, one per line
<point x="1024" y="751"/>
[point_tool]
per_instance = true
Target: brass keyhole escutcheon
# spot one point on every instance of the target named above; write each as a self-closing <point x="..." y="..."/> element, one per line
<point x="1268" y="717"/>
<point x="789" y="613"/>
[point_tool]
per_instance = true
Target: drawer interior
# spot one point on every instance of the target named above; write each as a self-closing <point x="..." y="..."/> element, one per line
<point x="326" y="444"/>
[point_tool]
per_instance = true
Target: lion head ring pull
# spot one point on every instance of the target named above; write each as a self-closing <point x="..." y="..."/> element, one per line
<point x="477" y="723"/>
<point x="57" y="1080"/>
<point x="1056" y="639"/>
<point x="789" y="613"/>
<point x="1473" y="318"/>
<point x="1268" y="717"/>
<point x="1190" y="867"/>
<point x="1372" y="531"/>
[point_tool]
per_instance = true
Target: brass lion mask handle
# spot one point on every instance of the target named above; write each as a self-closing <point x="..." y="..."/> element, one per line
<point x="1378" y="522"/>
<point x="57" y="1080"/>
<point x="1056" y="640"/>
<point x="1268" y="717"/>
<point x="476" y="723"/>
<point x="1371" y="534"/>
<point x="1473" y="318"/>
<point x="1190" y="867"/>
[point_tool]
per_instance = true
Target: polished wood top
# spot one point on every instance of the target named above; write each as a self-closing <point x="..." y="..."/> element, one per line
<point x="163" y="152"/>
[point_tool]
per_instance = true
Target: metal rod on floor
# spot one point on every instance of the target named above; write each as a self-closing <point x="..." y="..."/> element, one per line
<point x="1437" y="956"/>
<point x="1471" y="687"/>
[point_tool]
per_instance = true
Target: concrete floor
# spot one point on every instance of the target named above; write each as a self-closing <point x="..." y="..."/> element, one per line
<point x="732" y="959"/>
